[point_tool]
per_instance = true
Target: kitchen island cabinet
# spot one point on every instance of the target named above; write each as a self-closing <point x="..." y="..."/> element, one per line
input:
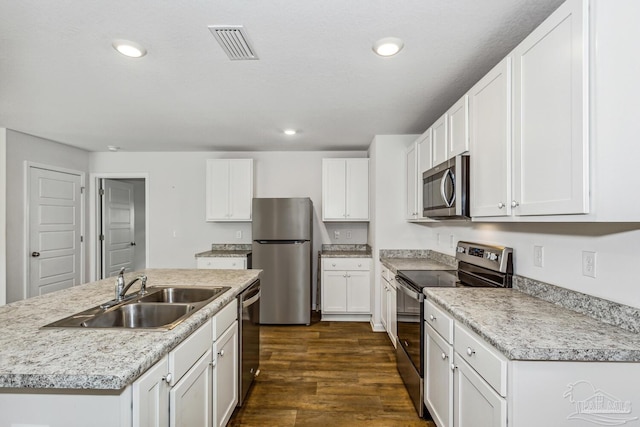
<point x="80" y="377"/>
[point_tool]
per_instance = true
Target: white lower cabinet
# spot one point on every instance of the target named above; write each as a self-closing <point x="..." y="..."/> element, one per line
<point x="196" y="384"/>
<point x="149" y="395"/>
<point x="438" y="382"/>
<point x="225" y="375"/>
<point x="224" y="263"/>
<point x="190" y="399"/>
<point x="346" y="288"/>
<point x="475" y="403"/>
<point x="388" y="304"/>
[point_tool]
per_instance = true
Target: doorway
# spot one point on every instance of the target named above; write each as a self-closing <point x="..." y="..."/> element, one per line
<point x="121" y="225"/>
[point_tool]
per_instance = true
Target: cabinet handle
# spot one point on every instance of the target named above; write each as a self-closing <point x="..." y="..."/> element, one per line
<point x="432" y="317"/>
<point x="500" y="205"/>
<point x="35" y="254"/>
<point x="333" y="265"/>
<point x="453" y="367"/>
<point x="168" y="378"/>
<point x="514" y="204"/>
<point x="221" y="353"/>
<point x="444" y="356"/>
<point x="470" y="351"/>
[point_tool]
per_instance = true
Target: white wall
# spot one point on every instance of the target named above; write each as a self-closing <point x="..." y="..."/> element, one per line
<point x="176" y="198"/>
<point x="20" y="149"/>
<point x="3" y="223"/>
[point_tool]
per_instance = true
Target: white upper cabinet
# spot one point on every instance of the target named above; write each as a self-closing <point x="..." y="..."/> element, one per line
<point x="229" y="189"/>
<point x="439" y="140"/>
<point x="551" y="116"/>
<point x="490" y="142"/>
<point x="345" y="189"/>
<point x="418" y="160"/>
<point x="458" y="127"/>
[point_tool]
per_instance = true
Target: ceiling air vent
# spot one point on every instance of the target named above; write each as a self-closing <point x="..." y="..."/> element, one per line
<point x="234" y="41"/>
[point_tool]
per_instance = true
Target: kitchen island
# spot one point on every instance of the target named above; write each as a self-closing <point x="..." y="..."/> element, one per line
<point x="87" y="370"/>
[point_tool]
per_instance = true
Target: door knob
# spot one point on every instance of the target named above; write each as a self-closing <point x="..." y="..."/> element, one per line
<point x="35" y="254"/>
<point x="133" y="243"/>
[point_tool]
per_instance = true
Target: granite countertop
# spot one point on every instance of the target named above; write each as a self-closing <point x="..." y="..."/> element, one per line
<point x="97" y="359"/>
<point x="345" y="251"/>
<point x="395" y="264"/>
<point x="223" y="253"/>
<point x="523" y="327"/>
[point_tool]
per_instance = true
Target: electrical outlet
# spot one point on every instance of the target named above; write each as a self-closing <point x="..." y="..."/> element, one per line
<point x="538" y="256"/>
<point x="588" y="264"/>
<point x="239" y="234"/>
<point x="438" y="239"/>
<point x="452" y="241"/>
<point x="348" y="234"/>
<point x="336" y="235"/>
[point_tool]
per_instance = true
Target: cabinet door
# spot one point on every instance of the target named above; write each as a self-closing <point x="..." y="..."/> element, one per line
<point x="551" y="107"/>
<point x="439" y="140"/>
<point x="334" y="292"/>
<point x="425" y="151"/>
<point x="392" y="331"/>
<point x="151" y="397"/>
<point x="358" y="292"/>
<point x="475" y="404"/>
<point x="357" y="192"/>
<point x="190" y="400"/>
<point x="458" y="127"/>
<point x="411" y="182"/>
<point x="384" y="303"/>
<point x="225" y="382"/>
<point x="334" y="189"/>
<point x="217" y="197"/>
<point x="490" y="139"/>
<point x="438" y="383"/>
<point x="240" y="189"/>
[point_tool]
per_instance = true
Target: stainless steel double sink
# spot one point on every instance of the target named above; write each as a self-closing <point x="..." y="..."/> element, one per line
<point x="160" y="308"/>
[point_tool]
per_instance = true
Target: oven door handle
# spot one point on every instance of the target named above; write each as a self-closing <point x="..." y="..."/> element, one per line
<point x="405" y="287"/>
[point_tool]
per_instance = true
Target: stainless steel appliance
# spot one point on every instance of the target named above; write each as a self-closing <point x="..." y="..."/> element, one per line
<point x="282" y="237"/>
<point x="445" y="190"/>
<point x="249" y="338"/>
<point x="478" y="265"/>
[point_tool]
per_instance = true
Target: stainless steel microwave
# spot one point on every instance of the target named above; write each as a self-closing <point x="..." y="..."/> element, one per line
<point x="445" y="190"/>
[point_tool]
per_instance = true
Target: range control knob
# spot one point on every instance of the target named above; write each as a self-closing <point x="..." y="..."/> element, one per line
<point x="492" y="256"/>
<point x="460" y="249"/>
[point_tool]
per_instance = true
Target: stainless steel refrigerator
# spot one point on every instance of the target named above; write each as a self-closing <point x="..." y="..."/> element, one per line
<point x="282" y="231"/>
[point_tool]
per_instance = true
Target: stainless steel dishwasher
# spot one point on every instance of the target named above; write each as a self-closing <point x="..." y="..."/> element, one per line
<point x="249" y="339"/>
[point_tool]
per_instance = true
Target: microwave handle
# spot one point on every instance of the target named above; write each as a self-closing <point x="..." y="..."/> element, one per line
<point x="443" y="181"/>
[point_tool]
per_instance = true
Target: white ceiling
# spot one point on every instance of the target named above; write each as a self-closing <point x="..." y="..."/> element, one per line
<point x="61" y="79"/>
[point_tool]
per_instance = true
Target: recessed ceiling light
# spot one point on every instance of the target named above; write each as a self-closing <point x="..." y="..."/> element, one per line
<point x="388" y="46"/>
<point x="113" y="148"/>
<point x="290" y="132"/>
<point x="129" y="48"/>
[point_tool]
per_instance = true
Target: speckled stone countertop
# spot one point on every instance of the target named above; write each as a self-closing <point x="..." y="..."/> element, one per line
<point x="345" y="251"/>
<point x="523" y="327"/>
<point x="395" y="264"/>
<point x="222" y="250"/>
<point x="96" y="359"/>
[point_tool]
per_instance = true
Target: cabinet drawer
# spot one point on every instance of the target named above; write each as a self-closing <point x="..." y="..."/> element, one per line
<point x="224" y="318"/>
<point x="387" y="274"/>
<point x="231" y="263"/>
<point x="491" y="365"/>
<point x="439" y="320"/>
<point x="346" y="264"/>
<point x="182" y="358"/>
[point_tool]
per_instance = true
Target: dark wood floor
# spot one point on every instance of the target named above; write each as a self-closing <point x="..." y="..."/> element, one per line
<point x="327" y="374"/>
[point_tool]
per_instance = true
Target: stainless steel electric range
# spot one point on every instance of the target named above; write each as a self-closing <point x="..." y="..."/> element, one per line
<point x="479" y="265"/>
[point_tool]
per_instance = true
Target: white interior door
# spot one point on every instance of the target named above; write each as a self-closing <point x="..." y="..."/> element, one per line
<point x="55" y="230"/>
<point x="118" y="229"/>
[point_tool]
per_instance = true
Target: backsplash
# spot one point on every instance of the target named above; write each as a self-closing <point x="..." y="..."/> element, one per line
<point x="606" y="311"/>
